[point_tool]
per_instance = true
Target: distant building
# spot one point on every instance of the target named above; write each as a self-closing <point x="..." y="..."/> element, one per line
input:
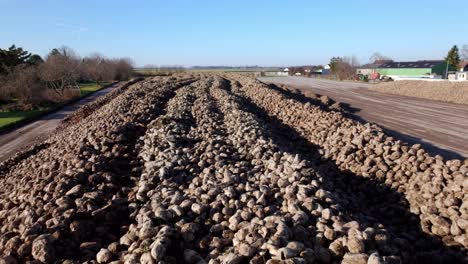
<point x="463" y="66"/>
<point x="462" y="76"/>
<point x="307" y="71"/>
<point x="415" y="69"/>
<point x="272" y="73"/>
<point x="326" y="69"/>
<point x="371" y="68"/>
<point x="462" y="73"/>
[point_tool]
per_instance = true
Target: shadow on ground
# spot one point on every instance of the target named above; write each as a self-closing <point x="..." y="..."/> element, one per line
<point x="353" y="113"/>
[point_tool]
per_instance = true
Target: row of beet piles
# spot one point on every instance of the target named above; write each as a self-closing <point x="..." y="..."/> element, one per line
<point x="436" y="189"/>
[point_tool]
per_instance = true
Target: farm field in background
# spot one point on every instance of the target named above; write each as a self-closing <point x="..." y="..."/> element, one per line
<point x="445" y="91"/>
<point x="157" y="71"/>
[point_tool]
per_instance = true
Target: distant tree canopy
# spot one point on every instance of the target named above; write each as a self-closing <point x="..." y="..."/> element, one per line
<point x="334" y="62"/>
<point x="343" y="67"/>
<point x="54" y="51"/>
<point x="35" y="60"/>
<point x="14" y="56"/>
<point x="464" y="52"/>
<point x="377" y="56"/>
<point x="453" y="56"/>
<point x="63" y="51"/>
<point x="61" y="69"/>
<point x="28" y="79"/>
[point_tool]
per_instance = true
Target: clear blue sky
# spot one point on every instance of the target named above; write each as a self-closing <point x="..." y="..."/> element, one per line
<point x="237" y="32"/>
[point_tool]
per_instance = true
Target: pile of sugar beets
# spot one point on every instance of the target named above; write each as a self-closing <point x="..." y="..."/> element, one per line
<point x="205" y="168"/>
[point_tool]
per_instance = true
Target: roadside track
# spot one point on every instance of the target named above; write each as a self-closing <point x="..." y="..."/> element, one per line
<point x="28" y="134"/>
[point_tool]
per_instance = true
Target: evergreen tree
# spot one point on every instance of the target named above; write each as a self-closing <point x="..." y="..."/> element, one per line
<point x="55" y="52"/>
<point x="334" y="64"/>
<point x="453" y="56"/>
<point x="12" y="57"/>
<point x="35" y="60"/>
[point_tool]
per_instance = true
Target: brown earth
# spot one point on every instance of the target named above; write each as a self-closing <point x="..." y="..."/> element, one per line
<point x="442" y="128"/>
<point x="444" y="91"/>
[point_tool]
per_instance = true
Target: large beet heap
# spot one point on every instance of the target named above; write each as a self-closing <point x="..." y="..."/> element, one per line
<point x="195" y="169"/>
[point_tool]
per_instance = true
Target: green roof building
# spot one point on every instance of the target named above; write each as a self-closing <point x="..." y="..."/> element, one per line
<point x="414" y="69"/>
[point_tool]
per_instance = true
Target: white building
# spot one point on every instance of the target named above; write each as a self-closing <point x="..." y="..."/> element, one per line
<point x="462" y="73"/>
<point x="271" y="73"/>
<point x="326" y="69"/>
<point x="462" y="76"/>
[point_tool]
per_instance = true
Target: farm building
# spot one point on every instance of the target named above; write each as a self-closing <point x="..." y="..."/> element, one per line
<point x="462" y="76"/>
<point x="463" y="66"/>
<point x="462" y="73"/>
<point x="272" y="73"/>
<point x="326" y="69"/>
<point x="414" y="69"/>
<point x="370" y="68"/>
<point x="305" y="70"/>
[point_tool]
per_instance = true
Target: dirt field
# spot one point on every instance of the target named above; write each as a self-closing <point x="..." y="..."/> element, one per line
<point x="442" y="128"/>
<point x="452" y="92"/>
<point x="25" y="136"/>
<point x="207" y="168"/>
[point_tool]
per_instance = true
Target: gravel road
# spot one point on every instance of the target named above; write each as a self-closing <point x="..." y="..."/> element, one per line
<point x="19" y="139"/>
<point x="442" y="128"/>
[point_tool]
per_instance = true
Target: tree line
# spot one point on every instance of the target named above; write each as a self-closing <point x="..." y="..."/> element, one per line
<point x="28" y="80"/>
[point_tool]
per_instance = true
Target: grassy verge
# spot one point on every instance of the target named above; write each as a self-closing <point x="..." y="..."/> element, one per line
<point x="87" y="88"/>
<point x="9" y="119"/>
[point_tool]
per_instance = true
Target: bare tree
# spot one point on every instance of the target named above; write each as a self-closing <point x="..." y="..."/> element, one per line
<point x="464" y="52"/>
<point x="4" y="93"/>
<point x="108" y="70"/>
<point x="123" y="68"/>
<point x="351" y="60"/>
<point x="98" y="68"/>
<point x="23" y="84"/>
<point x="342" y="68"/>
<point x="377" y="56"/>
<point x="60" y="70"/>
<point x="92" y="68"/>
